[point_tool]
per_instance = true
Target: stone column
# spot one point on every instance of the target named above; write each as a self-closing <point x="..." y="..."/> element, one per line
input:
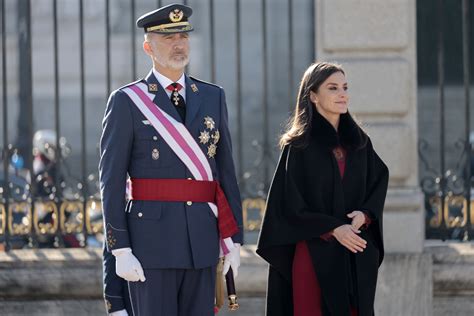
<point x="375" y="41"/>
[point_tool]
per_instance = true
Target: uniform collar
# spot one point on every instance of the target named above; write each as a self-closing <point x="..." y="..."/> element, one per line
<point x="161" y="98"/>
<point x="165" y="82"/>
<point x="193" y="101"/>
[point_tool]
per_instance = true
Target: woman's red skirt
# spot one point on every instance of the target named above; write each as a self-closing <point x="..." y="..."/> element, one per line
<point x="307" y="300"/>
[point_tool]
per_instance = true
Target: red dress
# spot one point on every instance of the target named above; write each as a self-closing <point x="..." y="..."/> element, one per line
<point x="307" y="300"/>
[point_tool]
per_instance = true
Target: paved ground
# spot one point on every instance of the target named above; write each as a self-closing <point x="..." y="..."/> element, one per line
<point x="248" y="307"/>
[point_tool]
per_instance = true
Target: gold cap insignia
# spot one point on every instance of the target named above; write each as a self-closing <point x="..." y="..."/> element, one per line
<point x="176" y="15"/>
<point x="194" y="87"/>
<point x="152" y="87"/>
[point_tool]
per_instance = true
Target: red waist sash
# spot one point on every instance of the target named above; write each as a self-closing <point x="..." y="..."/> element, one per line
<point x="182" y="190"/>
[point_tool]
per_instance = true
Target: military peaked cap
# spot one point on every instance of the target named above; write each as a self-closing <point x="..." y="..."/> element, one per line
<point x="172" y="18"/>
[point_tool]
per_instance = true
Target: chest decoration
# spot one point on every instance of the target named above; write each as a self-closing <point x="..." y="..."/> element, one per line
<point x="155" y="154"/>
<point x="176" y="97"/>
<point x="210" y="136"/>
<point x="209" y="122"/>
<point x="152" y="87"/>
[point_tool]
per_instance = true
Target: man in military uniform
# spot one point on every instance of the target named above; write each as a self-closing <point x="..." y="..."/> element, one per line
<point x="169" y="132"/>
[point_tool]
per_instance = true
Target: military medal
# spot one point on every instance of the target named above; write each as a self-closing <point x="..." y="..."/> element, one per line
<point x="211" y="150"/>
<point x="216" y="136"/>
<point x="176" y="97"/>
<point x="204" y="138"/>
<point x="155" y="154"/>
<point x="209" y="122"/>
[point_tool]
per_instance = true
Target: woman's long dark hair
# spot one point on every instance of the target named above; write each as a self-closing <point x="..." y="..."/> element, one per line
<point x="297" y="132"/>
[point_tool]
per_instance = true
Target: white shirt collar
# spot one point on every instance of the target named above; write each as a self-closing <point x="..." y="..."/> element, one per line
<point x="165" y="82"/>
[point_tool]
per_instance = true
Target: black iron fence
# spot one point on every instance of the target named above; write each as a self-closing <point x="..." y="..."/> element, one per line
<point x="49" y="195"/>
<point x="445" y="38"/>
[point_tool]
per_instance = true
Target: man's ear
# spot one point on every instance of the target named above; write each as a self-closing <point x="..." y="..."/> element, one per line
<point x="147" y="48"/>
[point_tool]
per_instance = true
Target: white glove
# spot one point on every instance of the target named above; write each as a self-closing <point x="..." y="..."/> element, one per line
<point x="232" y="259"/>
<point x="121" y="312"/>
<point x="127" y="265"/>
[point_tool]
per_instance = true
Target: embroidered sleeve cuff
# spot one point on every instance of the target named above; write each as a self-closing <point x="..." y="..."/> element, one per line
<point x="117" y="238"/>
<point x="114" y="303"/>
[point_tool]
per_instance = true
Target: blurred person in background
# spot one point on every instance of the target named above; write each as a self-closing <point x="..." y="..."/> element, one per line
<point x="48" y="174"/>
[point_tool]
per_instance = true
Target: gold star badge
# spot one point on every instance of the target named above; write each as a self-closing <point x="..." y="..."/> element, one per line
<point x="204" y="138"/>
<point x="152" y="87"/>
<point x="209" y="122"/>
<point x="211" y="150"/>
<point x="216" y="136"/>
<point x="194" y="87"/>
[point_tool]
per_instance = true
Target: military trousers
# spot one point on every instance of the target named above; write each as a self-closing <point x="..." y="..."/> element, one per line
<point x="174" y="292"/>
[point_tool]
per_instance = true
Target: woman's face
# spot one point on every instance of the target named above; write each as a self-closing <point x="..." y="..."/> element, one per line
<point x="332" y="97"/>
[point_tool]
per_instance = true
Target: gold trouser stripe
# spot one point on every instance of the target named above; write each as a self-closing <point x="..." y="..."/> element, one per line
<point x="163" y="26"/>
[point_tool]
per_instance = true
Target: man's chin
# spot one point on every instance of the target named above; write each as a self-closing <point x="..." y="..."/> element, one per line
<point x="178" y="64"/>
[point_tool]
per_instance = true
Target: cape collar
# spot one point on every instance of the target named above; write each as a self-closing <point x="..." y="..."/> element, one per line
<point x="349" y="134"/>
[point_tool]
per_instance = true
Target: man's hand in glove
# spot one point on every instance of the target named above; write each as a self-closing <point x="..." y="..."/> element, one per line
<point x="127" y="265"/>
<point x="232" y="259"/>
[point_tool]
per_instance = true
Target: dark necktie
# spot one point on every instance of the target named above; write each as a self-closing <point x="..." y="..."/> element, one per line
<point x="177" y="100"/>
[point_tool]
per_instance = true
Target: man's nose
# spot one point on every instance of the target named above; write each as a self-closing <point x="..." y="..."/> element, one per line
<point x="179" y="43"/>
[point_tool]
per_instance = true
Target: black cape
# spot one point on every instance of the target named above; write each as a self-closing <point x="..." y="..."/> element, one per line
<point x="308" y="198"/>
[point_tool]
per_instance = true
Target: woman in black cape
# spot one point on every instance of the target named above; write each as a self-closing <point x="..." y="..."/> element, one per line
<point x="322" y="229"/>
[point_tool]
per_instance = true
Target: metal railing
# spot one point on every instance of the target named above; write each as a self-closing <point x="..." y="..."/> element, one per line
<point x="447" y="187"/>
<point x="60" y="206"/>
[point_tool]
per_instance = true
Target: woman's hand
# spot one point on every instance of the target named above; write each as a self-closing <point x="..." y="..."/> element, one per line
<point x="358" y="219"/>
<point x="347" y="236"/>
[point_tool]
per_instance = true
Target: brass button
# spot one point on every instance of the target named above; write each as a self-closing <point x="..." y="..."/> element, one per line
<point x="140" y="214"/>
<point x="189" y="203"/>
<point x="155" y="138"/>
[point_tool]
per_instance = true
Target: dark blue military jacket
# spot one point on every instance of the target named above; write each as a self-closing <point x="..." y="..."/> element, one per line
<point x="165" y="234"/>
<point x="162" y="234"/>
